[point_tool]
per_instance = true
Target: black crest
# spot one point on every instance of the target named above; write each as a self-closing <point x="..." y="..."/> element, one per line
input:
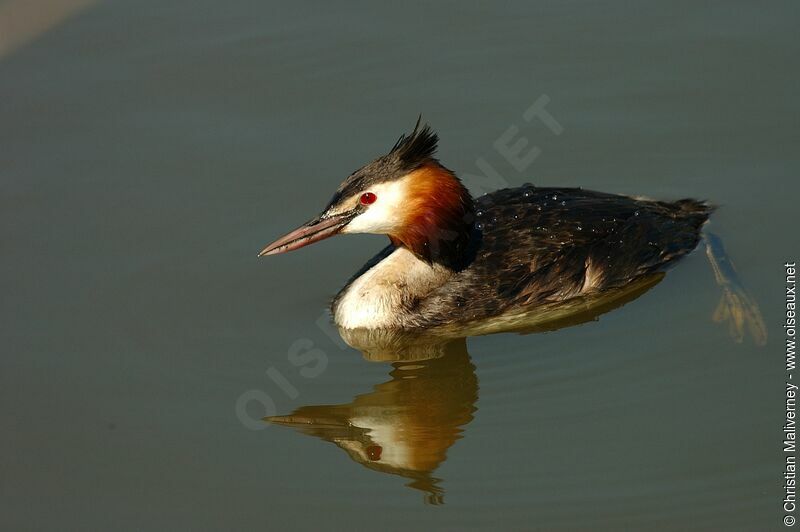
<point x="409" y="153"/>
<point x="414" y="150"/>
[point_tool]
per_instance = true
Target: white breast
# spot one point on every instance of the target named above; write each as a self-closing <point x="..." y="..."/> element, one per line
<point x="380" y="298"/>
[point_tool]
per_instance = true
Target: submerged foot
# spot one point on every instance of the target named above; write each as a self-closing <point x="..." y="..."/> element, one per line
<point x="736" y="307"/>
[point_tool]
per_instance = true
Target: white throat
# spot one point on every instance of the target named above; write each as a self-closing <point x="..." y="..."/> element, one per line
<point x="384" y="294"/>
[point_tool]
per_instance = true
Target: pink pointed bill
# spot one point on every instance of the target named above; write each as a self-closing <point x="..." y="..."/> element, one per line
<point x="308" y="233"/>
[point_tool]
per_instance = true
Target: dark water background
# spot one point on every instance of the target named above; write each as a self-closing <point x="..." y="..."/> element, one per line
<point x="149" y="149"/>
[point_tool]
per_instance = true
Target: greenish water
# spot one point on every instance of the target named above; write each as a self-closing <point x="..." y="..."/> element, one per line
<point x="150" y="150"/>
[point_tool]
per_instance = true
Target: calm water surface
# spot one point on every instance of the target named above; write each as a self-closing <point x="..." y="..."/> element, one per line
<point x="150" y="149"/>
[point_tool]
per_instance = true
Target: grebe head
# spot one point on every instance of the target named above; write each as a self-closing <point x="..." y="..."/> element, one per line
<point x="406" y="194"/>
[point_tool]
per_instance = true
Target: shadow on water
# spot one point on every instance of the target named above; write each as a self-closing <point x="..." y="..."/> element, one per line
<point x="406" y="425"/>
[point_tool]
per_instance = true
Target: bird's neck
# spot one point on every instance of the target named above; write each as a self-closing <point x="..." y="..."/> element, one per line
<point x="440" y="218"/>
<point x="382" y="296"/>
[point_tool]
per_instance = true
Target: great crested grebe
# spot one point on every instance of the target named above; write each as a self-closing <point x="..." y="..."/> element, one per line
<point x="456" y="260"/>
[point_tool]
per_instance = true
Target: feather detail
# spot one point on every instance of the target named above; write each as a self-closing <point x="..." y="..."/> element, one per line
<point x="438" y="216"/>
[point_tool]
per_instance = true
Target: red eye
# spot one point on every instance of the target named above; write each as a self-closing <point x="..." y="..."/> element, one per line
<point x="368" y="198"/>
<point x="374" y="452"/>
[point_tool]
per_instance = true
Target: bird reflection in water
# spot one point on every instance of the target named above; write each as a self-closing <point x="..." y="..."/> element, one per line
<point x="406" y="425"/>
